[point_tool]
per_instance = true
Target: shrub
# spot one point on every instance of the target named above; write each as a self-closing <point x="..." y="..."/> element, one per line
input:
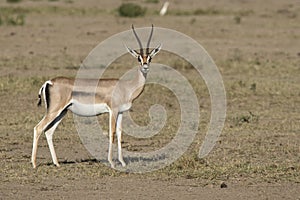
<point x="13" y="1"/>
<point x="131" y="10"/>
<point x="152" y="1"/>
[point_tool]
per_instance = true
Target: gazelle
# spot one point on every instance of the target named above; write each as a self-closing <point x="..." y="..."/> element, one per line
<point x="111" y="96"/>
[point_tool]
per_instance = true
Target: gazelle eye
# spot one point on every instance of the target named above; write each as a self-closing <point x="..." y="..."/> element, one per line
<point x="139" y="59"/>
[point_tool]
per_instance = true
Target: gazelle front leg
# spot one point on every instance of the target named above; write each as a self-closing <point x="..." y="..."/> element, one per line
<point x="112" y="127"/>
<point x="119" y="136"/>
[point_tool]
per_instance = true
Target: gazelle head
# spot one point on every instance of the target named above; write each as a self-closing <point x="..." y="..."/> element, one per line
<point x="144" y="59"/>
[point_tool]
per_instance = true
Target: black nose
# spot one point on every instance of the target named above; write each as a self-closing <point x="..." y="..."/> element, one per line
<point x="145" y="68"/>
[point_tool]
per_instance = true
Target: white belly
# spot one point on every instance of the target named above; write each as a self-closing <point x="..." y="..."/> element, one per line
<point x="88" y="110"/>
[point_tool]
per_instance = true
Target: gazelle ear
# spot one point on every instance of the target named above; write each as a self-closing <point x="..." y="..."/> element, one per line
<point x="132" y="52"/>
<point x="155" y="51"/>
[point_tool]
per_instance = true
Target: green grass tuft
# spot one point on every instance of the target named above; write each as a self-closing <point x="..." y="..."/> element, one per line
<point x="18" y="20"/>
<point x="12" y="16"/>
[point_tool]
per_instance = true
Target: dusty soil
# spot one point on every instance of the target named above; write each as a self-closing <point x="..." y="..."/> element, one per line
<point x="255" y="44"/>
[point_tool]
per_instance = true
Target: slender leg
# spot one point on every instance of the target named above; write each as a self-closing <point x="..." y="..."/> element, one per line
<point x="36" y="135"/>
<point x="49" y="136"/>
<point x="112" y="127"/>
<point x="48" y="125"/>
<point x="119" y="136"/>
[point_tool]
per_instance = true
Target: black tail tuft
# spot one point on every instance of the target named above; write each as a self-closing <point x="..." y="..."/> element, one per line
<point x="39" y="101"/>
<point x="44" y="90"/>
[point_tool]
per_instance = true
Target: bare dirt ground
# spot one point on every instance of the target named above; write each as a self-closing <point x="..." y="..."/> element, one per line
<point x="255" y="44"/>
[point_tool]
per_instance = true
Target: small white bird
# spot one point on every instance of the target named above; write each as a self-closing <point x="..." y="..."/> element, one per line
<point x="164" y="9"/>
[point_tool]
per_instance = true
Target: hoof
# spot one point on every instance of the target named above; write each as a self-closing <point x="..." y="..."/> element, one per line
<point x="123" y="163"/>
<point x="112" y="164"/>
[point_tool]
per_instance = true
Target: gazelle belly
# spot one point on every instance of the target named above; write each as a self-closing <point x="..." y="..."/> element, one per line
<point x="88" y="110"/>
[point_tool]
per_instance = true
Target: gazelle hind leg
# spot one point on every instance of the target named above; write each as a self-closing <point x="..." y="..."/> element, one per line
<point x="37" y="131"/>
<point x="47" y="124"/>
<point x="49" y="136"/>
<point x="119" y="137"/>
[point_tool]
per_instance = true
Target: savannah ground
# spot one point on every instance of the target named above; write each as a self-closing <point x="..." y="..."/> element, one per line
<point x="255" y="45"/>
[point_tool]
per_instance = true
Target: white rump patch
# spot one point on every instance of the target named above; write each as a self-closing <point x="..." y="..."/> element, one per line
<point x="88" y="110"/>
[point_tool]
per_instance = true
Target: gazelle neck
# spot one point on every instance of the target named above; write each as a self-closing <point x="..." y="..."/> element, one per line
<point x="138" y="83"/>
<point x="140" y="78"/>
